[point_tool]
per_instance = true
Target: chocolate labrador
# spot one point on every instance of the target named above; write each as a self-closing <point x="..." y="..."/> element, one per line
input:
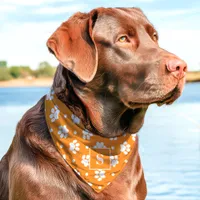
<point x="111" y="69"/>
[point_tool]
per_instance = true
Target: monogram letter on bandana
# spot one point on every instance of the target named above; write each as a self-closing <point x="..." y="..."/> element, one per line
<point x="97" y="160"/>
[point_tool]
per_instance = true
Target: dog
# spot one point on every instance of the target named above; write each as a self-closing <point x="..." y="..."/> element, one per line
<point x="111" y="69"/>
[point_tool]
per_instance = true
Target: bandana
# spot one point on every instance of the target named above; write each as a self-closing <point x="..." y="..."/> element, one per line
<point x="97" y="160"/>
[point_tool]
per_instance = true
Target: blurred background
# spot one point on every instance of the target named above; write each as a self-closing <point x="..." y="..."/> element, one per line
<point x="170" y="138"/>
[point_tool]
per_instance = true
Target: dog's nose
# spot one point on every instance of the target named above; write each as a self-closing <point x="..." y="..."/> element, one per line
<point x="177" y="67"/>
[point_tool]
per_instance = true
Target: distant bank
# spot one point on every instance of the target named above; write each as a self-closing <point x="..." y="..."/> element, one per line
<point x="193" y="76"/>
<point x="34" y="82"/>
<point x="47" y="82"/>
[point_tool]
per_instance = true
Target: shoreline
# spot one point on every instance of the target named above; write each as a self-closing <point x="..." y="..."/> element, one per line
<point x="47" y="82"/>
<point x="35" y="82"/>
<point x="193" y="76"/>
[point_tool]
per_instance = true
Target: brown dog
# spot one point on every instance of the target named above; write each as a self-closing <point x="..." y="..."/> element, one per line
<point x="111" y="69"/>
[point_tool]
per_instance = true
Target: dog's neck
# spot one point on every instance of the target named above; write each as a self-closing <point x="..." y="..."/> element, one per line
<point x="104" y="112"/>
<point x="100" y="111"/>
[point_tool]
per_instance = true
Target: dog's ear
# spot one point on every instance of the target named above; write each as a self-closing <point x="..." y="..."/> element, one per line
<point x="73" y="45"/>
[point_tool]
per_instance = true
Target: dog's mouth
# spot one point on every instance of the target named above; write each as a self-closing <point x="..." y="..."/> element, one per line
<point x="167" y="99"/>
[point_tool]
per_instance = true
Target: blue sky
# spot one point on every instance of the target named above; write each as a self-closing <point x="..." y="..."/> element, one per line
<point x="25" y="26"/>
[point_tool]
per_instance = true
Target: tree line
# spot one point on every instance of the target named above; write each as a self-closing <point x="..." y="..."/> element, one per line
<point x="13" y="72"/>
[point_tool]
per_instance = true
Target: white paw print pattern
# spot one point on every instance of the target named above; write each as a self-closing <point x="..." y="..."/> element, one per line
<point x="54" y="114"/>
<point x="49" y="96"/>
<point x="99" y="145"/>
<point x="63" y="131"/>
<point x="75" y="119"/>
<point x="133" y="137"/>
<point x="114" y="160"/>
<point x="100" y="174"/>
<point x="85" y="160"/>
<point x="87" y="134"/>
<point x="74" y="146"/>
<point x="125" y="148"/>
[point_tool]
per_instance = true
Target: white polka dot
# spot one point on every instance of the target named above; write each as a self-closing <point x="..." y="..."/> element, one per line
<point x="61" y="146"/>
<point x="125" y="161"/>
<point x="99" y="187"/>
<point x="64" y="156"/>
<point x="113" y="174"/>
<point x="112" y="147"/>
<point x="73" y="160"/>
<point x="86" y="147"/>
<point x="108" y="183"/>
<point x="90" y="184"/>
<point x="65" y="116"/>
<point x="86" y="174"/>
<point x="75" y="132"/>
<point x="51" y="130"/>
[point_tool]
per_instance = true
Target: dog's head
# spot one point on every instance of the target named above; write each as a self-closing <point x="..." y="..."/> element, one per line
<point x="115" y="53"/>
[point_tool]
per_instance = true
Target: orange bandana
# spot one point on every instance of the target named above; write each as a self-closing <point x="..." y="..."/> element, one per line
<point x="97" y="160"/>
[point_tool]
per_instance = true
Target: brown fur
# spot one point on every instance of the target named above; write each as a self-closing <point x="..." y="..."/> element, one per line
<point x="109" y="86"/>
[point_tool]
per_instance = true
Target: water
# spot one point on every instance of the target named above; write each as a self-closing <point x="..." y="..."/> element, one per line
<point x="169" y="140"/>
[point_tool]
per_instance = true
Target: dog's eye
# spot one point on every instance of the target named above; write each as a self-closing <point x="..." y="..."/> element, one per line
<point x="123" y="39"/>
<point x="155" y="36"/>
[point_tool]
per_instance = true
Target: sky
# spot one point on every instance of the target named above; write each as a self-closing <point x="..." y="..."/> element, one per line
<point x="25" y="26"/>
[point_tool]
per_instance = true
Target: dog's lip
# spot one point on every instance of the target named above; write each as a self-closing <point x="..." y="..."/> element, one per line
<point x="167" y="99"/>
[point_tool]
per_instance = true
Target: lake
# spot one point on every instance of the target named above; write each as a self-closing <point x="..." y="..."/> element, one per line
<point x="169" y="140"/>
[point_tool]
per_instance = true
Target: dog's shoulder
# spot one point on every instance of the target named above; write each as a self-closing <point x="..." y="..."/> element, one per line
<point x="34" y="161"/>
<point x="31" y="134"/>
<point x="32" y="141"/>
<point x="20" y="154"/>
<point x="33" y="120"/>
<point x="4" y="166"/>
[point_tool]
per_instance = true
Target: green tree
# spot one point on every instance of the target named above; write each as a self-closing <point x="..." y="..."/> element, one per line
<point x="20" y="71"/>
<point x="15" y="71"/>
<point x="3" y="63"/>
<point x="4" y="74"/>
<point x="45" y="70"/>
<point x="26" y="71"/>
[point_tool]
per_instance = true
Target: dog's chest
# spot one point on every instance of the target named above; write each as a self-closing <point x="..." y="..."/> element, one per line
<point x="117" y="191"/>
<point x="122" y="188"/>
